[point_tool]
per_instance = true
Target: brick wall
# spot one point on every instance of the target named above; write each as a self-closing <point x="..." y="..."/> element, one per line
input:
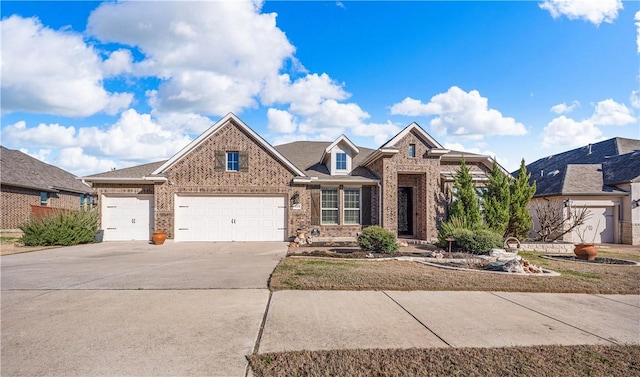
<point x="16" y="204"/>
<point x="195" y="174"/>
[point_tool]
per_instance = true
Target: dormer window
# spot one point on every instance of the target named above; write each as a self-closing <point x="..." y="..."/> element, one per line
<point x="341" y="161"/>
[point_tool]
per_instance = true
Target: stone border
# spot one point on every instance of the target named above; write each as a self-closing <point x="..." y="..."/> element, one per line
<point x="430" y="262"/>
<point x="551" y="247"/>
<point x="550" y="257"/>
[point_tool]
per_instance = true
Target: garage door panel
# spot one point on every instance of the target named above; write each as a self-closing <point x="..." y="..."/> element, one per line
<point x="126" y="218"/>
<point x="224" y="218"/>
<point x="598" y="228"/>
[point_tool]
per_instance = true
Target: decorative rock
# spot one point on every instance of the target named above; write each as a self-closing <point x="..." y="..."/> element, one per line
<point x="403" y="243"/>
<point x="513" y="266"/>
<point x="436" y="254"/>
<point x="370" y="255"/>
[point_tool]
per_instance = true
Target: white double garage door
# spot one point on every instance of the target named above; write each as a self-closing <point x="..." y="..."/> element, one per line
<point x="199" y="218"/>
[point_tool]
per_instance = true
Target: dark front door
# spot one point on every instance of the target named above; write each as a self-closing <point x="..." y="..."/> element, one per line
<point x="405" y="211"/>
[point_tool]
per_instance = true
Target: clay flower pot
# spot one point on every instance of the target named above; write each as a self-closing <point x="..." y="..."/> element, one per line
<point x="158" y="238"/>
<point x="585" y="251"/>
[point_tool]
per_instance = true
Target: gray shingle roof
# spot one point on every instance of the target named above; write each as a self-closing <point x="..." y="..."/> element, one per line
<point x="306" y="155"/>
<point x="21" y="170"/>
<point x="622" y="169"/>
<point x="131" y="172"/>
<point x="562" y="173"/>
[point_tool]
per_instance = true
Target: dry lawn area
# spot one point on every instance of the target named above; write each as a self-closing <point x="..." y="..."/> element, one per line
<point x="10" y="244"/>
<point x="349" y="274"/>
<point x="567" y="361"/>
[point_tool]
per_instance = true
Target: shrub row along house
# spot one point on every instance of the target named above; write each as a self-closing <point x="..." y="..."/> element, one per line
<point x="603" y="177"/>
<point x="28" y="186"/>
<point x="229" y="184"/>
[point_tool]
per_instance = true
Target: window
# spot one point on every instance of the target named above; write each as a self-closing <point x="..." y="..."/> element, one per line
<point x="341" y="161"/>
<point x="44" y="198"/>
<point x="82" y="200"/>
<point x="233" y="161"/>
<point x="329" y="206"/>
<point x="352" y="206"/>
<point x="412" y="150"/>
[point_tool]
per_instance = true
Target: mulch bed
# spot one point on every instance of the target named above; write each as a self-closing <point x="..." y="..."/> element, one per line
<point x="598" y="260"/>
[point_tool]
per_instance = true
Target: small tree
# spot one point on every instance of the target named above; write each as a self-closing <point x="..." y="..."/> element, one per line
<point x="465" y="203"/>
<point x="552" y="224"/>
<point x="496" y="199"/>
<point x="521" y="193"/>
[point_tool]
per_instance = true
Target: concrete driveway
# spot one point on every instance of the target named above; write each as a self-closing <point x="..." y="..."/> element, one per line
<point x="131" y="308"/>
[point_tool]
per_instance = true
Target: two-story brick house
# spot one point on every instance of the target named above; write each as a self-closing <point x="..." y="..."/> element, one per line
<point x="229" y="184"/>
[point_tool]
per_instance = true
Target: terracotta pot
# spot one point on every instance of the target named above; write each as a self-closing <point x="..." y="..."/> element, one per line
<point x="585" y="251"/>
<point x="158" y="238"/>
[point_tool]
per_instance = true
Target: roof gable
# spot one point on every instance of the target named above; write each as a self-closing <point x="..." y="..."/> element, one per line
<point x="212" y="131"/>
<point x="21" y="170"/>
<point x="413" y="127"/>
<point x="342" y="140"/>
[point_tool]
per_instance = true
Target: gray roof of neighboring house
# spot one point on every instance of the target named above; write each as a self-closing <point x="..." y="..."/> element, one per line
<point x="591" y="169"/>
<point x="622" y="169"/>
<point x="306" y="155"/>
<point x="138" y="171"/>
<point x="21" y="170"/>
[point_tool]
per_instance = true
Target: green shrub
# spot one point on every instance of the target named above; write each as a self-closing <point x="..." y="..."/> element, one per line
<point x="63" y="228"/>
<point x="476" y="241"/>
<point x="375" y="238"/>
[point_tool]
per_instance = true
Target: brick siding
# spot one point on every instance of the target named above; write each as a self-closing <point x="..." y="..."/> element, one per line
<point x="17" y="202"/>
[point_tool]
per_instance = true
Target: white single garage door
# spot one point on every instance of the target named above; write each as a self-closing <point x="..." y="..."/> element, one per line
<point x="230" y="218"/>
<point x="599" y="228"/>
<point x="127" y="218"/>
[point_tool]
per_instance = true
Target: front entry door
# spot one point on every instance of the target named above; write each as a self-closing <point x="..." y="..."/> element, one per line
<point x="405" y="211"/>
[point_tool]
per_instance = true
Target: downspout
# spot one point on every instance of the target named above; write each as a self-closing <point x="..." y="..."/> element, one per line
<point x="379" y="204"/>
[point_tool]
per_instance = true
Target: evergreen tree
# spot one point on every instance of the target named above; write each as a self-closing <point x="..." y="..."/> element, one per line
<point x="521" y="193"/>
<point x="496" y="199"/>
<point x="465" y="203"/>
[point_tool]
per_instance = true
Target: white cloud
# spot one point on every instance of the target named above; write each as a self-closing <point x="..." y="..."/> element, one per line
<point x="461" y="148"/>
<point x="75" y="160"/>
<point x="134" y="138"/>
<point x="611" y="113"/>
<point x="43" y="135"/>
<point x="303" y="95"/>
<point x="54" y="72"/>
<point x="594" y="11"/>
<point x="280" y="121"/>
<point x="567" y="132"/>
<point x="214" y="56"/>
<point x="563" y="108"/>
<point x="634" y="99"/>
<point x="563" y="131"/>
<point x="637" y="19"/>
<point x="460" y="113"/>
<point x="118" y="62"/>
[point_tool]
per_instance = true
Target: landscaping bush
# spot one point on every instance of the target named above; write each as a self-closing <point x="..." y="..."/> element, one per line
<point x="63" y="228"/>
<point x="375" y="238"/>
<point x="477" y="241"/>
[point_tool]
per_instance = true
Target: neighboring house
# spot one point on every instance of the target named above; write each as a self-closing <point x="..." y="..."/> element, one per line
<point x="28" y="183"/>
<point x="229" y="184"/>
<point x="605" y="178"/>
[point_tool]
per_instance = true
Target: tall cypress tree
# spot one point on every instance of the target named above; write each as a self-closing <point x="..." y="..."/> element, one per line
<point x="465" y="202"/>
<point x="521" y="193"/>
<point x="496" y="200"/>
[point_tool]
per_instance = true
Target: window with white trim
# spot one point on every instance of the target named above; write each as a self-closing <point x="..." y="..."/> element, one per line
<point x="351" y="206"/>
<point x="233" y="161"/>
<point x="329" y="207"/>
<point x="412" y="150"/>
<point x="341" y="161"/>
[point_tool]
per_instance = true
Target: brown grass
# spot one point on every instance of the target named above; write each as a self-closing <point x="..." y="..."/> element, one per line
<point x="568" y="361"/>
<point x="10" y="244"/>
<point x="345" y="274"/>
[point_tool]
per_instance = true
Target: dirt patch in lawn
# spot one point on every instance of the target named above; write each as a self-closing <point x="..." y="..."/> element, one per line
<point x="10" y="244"/>
<point x="568" y="361"/>
<point x="350" y="274"/>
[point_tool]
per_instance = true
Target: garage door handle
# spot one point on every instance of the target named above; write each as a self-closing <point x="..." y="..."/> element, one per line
<point x="183" y="228"/>
<point x="112" y="228"/>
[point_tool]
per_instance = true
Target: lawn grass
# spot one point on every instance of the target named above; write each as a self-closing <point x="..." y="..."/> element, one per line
<point x="345" y="274"/>
<point x="568" y="361"/>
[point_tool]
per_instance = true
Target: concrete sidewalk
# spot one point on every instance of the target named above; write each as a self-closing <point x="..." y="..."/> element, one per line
<point x="323" y="320"/>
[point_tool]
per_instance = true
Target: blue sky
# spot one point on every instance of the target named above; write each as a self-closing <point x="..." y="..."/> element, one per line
<point x="89" y="86"/>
